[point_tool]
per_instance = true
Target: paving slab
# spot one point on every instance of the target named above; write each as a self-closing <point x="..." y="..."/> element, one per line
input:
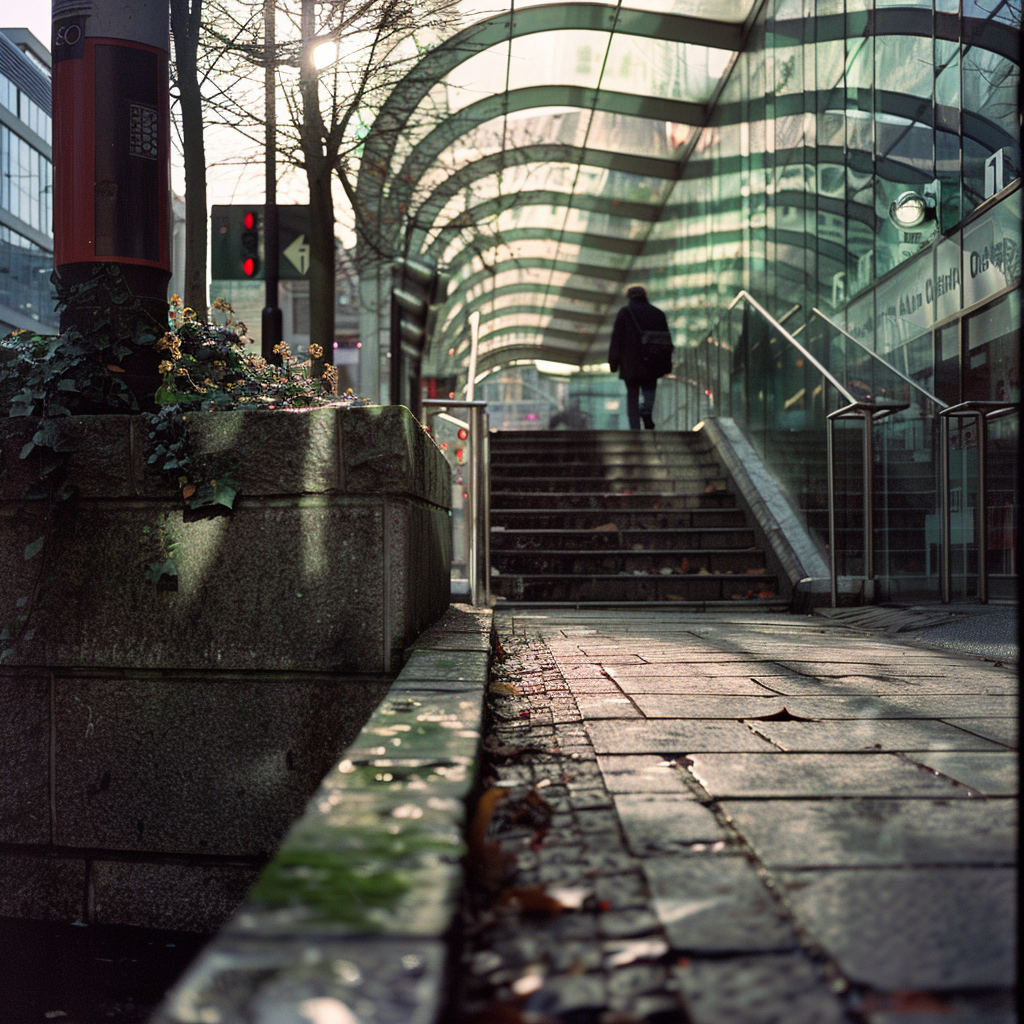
<point x="744" y="668"/>
<point x="641" y="773"/>
<point x="923" y="706"/>
<point x="666" y="823"/>
<point x="968" y="682"/>
<point x="991" y="774"/>
<point x="931" y="929"/>
<point x="877" y="734"/>
<point x="691" y="685"/>
<point x="716" y="904"/>
<point x="816" y="775"/>
<point x="773" y="989"/>
<point x="877" y="832"/>
<point x="999" y="730"/>
<point x="767" y="820"/>
<point x="607" y="705"/>
<point x="670" y="736"/>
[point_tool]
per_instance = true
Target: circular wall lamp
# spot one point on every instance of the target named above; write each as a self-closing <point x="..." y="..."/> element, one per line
<point x="910" y="210"/>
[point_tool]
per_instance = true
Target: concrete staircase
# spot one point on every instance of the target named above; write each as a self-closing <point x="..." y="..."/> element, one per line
<point x="618" y="517"/>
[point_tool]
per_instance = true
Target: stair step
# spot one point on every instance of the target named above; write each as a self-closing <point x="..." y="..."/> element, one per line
<point x="683" y="470"/>
<point x="583" y="563"/>
<point x="599" y="485"/>
<point x="650" y="500"/>
<point x="619" y="517"/>
<point x="614" y="587"/>
<point x="651" y="539"/>
<point x="643" y="519"/>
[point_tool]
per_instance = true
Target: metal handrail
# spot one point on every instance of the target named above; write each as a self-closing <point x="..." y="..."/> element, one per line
<point x="869" y="412"/>
<point x="478" y="511"/>
<point x="745" y="296"/>
<point x="885" y="362"/>
<point x="982" y="412"/>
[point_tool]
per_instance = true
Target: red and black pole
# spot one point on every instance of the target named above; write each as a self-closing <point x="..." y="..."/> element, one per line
<point x="111" y="149"/>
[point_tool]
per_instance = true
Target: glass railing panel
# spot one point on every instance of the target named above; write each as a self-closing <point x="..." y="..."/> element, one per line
<point x="963" y="502"/>
<point x="1003" y="500"/>
<point x="781" y="402"/>
<point x="906" y="455"/>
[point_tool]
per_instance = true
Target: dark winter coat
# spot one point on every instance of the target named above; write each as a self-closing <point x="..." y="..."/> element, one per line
<point x="624" y="353"/>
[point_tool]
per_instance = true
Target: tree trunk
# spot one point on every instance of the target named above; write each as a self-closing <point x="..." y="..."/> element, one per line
<point x="321" y="203"/>
<point x="185" y="21"/>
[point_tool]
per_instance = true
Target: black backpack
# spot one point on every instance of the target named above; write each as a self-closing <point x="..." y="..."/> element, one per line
<point x="655" y="350"/>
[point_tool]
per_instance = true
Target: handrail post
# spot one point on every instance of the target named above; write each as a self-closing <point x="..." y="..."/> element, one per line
<point x="982" y="509"/>
<point x="477" y="508"/>
<point x="832" y="512"/>
<point x="473" y="559"/>
<point x="946" y="579"/>
<point x="484" y="446"/>
<point x="869" y="506"/>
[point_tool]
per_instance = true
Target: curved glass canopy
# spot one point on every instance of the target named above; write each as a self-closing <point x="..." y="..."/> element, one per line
<point x="531" y="154"/>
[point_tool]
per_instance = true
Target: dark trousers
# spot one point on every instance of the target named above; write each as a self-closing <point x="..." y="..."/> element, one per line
<point x="640" y="403"/>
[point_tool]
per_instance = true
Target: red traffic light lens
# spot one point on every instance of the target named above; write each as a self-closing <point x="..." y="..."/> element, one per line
<point x="249" y="267"/>
<point x="249" y="220"/>
<point x="463" y="433"/>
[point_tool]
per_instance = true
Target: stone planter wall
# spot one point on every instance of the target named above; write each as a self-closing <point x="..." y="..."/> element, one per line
<point x="158" y="743"/>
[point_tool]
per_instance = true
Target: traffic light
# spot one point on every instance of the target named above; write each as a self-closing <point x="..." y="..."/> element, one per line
<point x="249" y="243"/>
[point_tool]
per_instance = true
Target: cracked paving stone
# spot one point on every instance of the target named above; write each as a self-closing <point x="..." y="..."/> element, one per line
<point x="664" y="736"/>
<point x="643" y="773"/>
<point x="716" y="904"/>
<point x="919" y="929"/>
<point x="999" y="730"/>
<point x="994" y="774"/>
<point x="775" y="989"/>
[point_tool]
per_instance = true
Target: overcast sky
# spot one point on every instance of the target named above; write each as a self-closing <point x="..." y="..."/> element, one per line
<point x="31" y="14"/>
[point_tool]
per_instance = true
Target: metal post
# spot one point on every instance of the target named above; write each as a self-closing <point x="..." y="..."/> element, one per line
<point x="832" y="512"/>
<point x="869" y="503"/>
<point x="485" y="501"/>
<point x="946" y="579"/>
<point x="271" y="321"/>
<point x="474" y="500"/>
<point x="982" y="509"/>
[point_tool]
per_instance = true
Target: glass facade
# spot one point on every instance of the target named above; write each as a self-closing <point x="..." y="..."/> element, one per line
<point x="26" y="182"/>
<point x="25" y="270"/>
<point x="553" y="158"/>
<point x="823" y="123"/>
<point x="26" y="192"/>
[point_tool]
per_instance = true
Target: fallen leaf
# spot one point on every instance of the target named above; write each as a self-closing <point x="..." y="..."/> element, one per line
<point x="188" y="490"/>
<point x="503" y="689"/>
<point x="531" y="900"/>
<point x="115" y="369"/>
<point x="485" y="860"/>
<point x="604" y="528"/>
<point x="780" y="716"/>
<point x="755" y="572"/>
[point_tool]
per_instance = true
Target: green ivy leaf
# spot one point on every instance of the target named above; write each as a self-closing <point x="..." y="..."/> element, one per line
<point x="33" y="549"/>
<point x="27" y="449"/>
